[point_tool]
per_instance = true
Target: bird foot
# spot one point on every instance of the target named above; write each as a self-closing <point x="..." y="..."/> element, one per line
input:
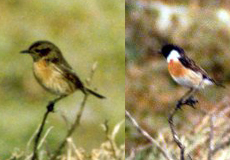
<point x="191" y="101"/>
<point x="50" y="107"/>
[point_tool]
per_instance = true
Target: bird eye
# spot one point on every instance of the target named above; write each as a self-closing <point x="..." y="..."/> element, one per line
<point x="37" y="50"/>
<point x="43" y="52"/>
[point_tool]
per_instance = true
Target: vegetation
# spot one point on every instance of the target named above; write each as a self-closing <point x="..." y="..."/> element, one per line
<point x="151" y="93"/>
<point x="86" y="32"/>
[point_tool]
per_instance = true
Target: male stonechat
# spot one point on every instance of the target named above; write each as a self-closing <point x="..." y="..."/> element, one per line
<point x="53" y="72"/>
<point x="185" y="72"/>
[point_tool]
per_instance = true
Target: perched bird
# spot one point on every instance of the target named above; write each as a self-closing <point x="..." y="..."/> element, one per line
<point x="53" y="72"/>
<point x="185" y="71"/>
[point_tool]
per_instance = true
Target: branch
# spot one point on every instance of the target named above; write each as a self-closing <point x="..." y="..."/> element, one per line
<point x="175" y="135"/>
<point x="109" y="138"/>
<point x="50" y="108"/>
<point x="147" y="136"/>
<point x="78" y="117"/>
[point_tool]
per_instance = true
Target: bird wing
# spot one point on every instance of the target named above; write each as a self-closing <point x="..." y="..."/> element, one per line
<point x="67" y="72"/>
<point x="189" y="63"/>
<point x="64" y="62"/>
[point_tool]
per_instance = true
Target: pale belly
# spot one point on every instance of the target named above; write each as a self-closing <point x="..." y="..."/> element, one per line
<point x="192" y="80"/>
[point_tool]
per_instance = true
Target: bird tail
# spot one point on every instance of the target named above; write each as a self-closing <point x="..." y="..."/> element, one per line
<point x="218" y="84"/>
<point x="93" y="93"/>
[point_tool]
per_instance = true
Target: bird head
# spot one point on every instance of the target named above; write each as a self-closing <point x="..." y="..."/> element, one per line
<point x="43" y="49"/>
<point x="171" y="51"/>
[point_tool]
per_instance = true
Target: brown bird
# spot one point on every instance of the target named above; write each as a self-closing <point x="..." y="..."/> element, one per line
<point x="52" y="71"/>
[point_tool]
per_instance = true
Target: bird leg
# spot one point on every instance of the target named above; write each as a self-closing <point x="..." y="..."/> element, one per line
<point x="181" y="101"/>
<point x="187" y="99"/>
<point x="50" y="106"/>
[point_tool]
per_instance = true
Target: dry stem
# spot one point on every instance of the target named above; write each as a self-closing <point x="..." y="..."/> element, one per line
<point x="147" y="136"/>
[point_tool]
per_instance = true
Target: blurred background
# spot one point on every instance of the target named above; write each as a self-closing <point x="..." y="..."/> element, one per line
<point x="202" y="28"/>
<point x="86" y="31"/>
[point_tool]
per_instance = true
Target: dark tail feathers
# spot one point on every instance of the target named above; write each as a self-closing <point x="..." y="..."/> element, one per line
<point x="94" y="93"/>
<point x="218" y="84"/>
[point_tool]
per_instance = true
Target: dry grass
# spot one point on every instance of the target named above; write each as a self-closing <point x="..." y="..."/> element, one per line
<point x="41" y="150"/>
<point x="196" y="137"/>
<point x="151" y="93"/>
<point x="108" y="150"/>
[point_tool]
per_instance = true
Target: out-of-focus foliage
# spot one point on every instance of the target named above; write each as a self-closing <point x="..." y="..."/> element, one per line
<point x="202" y="29"/>
<point x="108" y="150"/>
<point x="85" y="31"/>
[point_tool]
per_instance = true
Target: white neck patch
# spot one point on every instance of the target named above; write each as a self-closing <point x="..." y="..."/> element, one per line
<point x="173" y="55"/>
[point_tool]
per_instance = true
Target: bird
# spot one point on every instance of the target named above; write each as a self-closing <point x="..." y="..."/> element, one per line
<point x="186" y="73"/>
<point x="53" y="72"/>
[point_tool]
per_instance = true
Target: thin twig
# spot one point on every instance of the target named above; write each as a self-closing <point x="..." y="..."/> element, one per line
<point x="72" y="129"/>
<point x="189" y="100"/>
<point x="109" y="138"/>
<point x="175" y="136"/>
<point x="210" y="140"/>
<point x="74" y="148"/>
<point x="176" y="139"/>
<point x="49" y="108"/>
<point x="29" y="157"/>
<point x="38" y="136"/>
<point x="147" y="136"/>
<point x="31" y="139"/>
<point x="78" y="117"/>
<point x="44" y="137"/>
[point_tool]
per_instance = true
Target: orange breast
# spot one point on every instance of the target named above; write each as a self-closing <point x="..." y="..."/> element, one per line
<point x="42" y="70"/>
<point x="176" y="69"/>
<point x="51" y="79"/>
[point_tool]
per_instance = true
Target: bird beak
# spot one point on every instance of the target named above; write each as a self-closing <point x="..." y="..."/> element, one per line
<point x="26" y="52"/>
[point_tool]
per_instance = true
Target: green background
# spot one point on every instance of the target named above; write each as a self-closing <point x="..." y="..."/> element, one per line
<point x="86" y="31"/>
